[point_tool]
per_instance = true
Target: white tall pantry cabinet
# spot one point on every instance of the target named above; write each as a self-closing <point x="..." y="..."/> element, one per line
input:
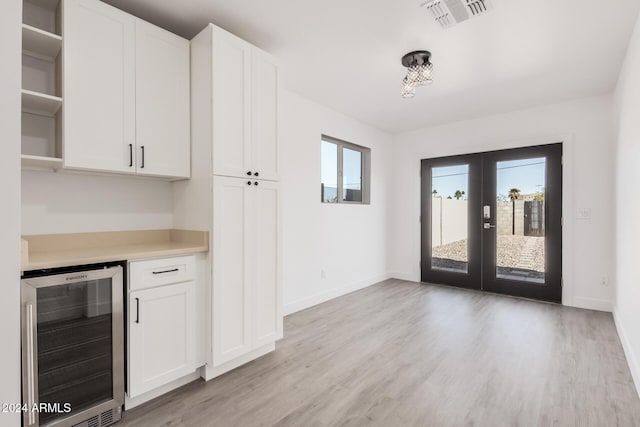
<point x="236" y="168"/>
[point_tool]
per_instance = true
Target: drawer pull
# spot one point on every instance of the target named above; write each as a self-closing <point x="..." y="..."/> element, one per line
<point x="166" y="271"/>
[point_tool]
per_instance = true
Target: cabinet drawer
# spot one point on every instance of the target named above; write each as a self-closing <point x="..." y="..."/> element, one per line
<point x="158" y="272"/>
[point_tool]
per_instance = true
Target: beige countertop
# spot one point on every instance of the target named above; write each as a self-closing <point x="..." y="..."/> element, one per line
<point x="63" y="250"/>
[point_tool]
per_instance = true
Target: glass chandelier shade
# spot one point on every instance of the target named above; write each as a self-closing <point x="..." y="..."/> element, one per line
<point x="419" y="72"/>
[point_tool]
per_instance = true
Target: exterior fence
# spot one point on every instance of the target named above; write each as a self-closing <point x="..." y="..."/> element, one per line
<point x="449" y="219"/>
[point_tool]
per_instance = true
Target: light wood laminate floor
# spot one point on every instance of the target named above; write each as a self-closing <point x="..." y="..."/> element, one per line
<point x="401" y="353"/>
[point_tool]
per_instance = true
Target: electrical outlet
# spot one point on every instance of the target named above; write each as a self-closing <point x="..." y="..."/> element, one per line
<point x="584" y="214"/>
<point x="604" y="281"/>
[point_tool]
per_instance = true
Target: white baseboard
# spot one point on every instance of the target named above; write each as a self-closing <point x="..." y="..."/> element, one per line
<point x="404" y="276"/>
<point x="592" y="304"/>
<point x="130" y="403"/>
<point x="319" y="298"/>
<point x="211" y="372"/>
<point x="632" y="357"/>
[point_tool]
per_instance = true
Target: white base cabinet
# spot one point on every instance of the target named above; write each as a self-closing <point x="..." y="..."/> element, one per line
<point x="161" y="342"/>
<point x="247" y="292"/>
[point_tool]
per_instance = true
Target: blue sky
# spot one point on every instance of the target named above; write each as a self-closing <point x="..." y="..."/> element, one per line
<point x="526" y="175"/>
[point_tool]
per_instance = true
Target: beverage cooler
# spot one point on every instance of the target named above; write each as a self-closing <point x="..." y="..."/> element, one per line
<point x="73" y="346"/>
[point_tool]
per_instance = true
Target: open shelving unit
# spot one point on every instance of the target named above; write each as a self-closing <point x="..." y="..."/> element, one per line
<point x="41" y="100"/>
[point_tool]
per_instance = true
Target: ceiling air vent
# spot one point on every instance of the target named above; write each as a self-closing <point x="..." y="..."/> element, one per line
<point x="448" y="13"/>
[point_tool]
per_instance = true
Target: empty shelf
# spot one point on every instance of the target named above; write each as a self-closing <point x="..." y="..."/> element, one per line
<point x="39" y="43"/>
<point x="40" y="103"/>
<point x="40" y="162"/>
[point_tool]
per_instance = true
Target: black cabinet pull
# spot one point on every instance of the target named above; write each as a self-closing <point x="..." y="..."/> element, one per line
<point x="248" y="182"/>
<point x="249" y="173"/>
<point x="173" y="270"/>
<point x="255" y="174"/>
<point x="130" y="155"/>
<point x="142" y="164"/>
<point x="137" y="310"/>
<point x="256" y="183"/>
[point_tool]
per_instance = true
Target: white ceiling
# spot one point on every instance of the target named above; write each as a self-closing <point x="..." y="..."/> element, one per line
<point x="345" y="54"/>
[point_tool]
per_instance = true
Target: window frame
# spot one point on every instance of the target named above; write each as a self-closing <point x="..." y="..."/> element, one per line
<point x="365" y="171"/>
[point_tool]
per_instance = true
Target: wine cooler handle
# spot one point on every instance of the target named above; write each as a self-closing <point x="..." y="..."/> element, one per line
<point x="31" y="399"/>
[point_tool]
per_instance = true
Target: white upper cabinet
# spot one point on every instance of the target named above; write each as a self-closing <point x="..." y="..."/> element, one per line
<point x="264" y="116"/>
<point x="162" y="102"/>
<point x="99" y="81"/>
<point x="128" y="88"/>
<point x="231" y="105"/>
<point x="245" y="106"/>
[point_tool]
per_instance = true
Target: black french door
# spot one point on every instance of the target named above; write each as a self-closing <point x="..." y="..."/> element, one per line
<point x="492" y="221"/>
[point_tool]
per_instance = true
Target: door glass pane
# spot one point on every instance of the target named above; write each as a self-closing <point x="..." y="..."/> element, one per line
<point x="329" y="179"/>
<point x="520" y="220"/>
<point x="351" y="175"/>
<point x="75" y="355"/>
<point x="449" y="218"/>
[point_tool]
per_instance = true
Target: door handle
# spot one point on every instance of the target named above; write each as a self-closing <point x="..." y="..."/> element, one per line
<point x="142" y="149"/>
<point x="137" y="310"/>
<point x="173" y="270"/>
<point x="31" y="399"/>
<point x="130" y="155"/>
<point x="487" y="226"/>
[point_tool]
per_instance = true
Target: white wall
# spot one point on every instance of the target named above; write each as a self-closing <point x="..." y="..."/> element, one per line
<point x="10" y="76"/>
<point x="586" y="126"/>
<point x="349" y="242"/>
<point x="627" y="150"/>
<point x="71" y="203"/>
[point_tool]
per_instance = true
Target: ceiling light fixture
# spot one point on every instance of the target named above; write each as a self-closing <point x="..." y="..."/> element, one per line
<point x="419" y="72"/>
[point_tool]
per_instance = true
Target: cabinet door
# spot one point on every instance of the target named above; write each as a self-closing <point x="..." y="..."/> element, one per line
<point x="265" y="262"/>
<point x="232" y="296"/>
<point x="162" y="102"/>
<point x="99" y="87"/>
<point x="231" y="105"/>
<point x="161" y="336"/>
<point x="265" y="157"/>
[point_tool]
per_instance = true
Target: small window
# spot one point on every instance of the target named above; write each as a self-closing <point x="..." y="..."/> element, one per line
<point x="345" y="172"/>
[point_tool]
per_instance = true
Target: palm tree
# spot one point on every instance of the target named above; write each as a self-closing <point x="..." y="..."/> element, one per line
<point x="514" y="194"/>
<point x="458" y="194"/>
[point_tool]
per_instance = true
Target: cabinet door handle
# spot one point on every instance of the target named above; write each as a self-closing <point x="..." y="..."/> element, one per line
<point x="137" y="310"/>
<point x="248" y="182"/>
<point x="130" y="155"/>
<point x="166" y="271"/>
<point x="31" y="363"/>
<point x="249" y="173"/>
<point x="256" y="183"/>
<point x="142" y="164"/>
<point x="256" y="174"/>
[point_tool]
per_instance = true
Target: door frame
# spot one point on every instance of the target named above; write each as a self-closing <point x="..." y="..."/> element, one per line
<point x="565" y="294"/>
